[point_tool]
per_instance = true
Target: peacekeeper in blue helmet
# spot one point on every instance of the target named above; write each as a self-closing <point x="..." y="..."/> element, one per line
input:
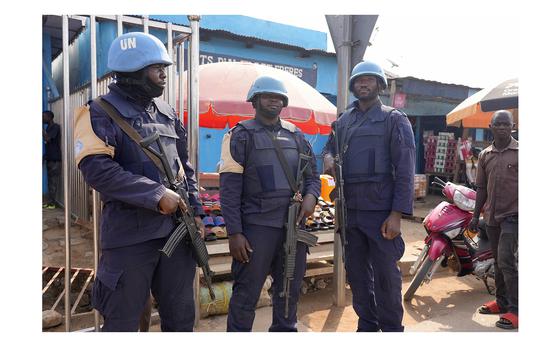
<point x="136" y="218"/>
<point x="378" y="156"/>
<point x="255" y="194"/>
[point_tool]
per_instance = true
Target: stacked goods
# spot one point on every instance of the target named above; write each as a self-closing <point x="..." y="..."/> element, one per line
<point x="214" y="223"/>
<point x="430" y="145"/>
<point x="441" y="151"/>
<point x="445" y="153"/>
<point x="450" y="156"/>
<point x="322" y="218"/>
<point x="420" y="186"/>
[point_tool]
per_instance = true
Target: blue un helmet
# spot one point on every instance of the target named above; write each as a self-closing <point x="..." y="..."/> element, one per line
<point x="268" y="84"/>
<point x="134" y="51"/>
<point x="367" y="68"/>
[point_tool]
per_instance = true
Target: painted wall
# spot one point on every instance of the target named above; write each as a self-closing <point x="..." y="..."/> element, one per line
<point x="47" y="53"/>
<point x="326" y="66"/>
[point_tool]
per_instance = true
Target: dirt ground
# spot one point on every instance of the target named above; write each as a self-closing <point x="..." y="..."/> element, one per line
<point x="446" y="304"/>
<point x="81" y="241"/>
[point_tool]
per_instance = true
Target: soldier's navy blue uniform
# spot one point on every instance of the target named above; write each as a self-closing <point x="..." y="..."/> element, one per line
<point x="255" y="195"/>
<point x="132" y="228"/>
<point x="378" y="172"/>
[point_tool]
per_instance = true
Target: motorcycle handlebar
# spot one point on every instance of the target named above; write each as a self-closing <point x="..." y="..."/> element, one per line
<point x="438" y="181"/>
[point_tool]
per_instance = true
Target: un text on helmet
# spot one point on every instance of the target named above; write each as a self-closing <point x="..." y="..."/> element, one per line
<point x="128" y="43"/>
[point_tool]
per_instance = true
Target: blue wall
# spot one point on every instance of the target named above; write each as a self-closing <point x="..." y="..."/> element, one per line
<point x="326" y="65"/>
<point x="47" y="54"/>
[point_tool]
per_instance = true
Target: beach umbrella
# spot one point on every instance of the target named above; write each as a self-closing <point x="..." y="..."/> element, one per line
<point x="476" y="111"/>
<point x="223" y="91"/>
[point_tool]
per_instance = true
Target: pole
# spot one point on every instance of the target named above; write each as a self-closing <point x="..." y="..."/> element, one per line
<point x="342" y="100"/>
<point x="171" y="68"/>
<point x="66" y="135"/>
<point x="96" y="199"/>
<point x="119" y="25"/>
<point x="181" y="67"/>
<point x="145" y="23"/>
<point x="193" y="127"/>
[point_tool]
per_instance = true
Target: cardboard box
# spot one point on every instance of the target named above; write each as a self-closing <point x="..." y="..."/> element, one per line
<point x="420" y="186"/>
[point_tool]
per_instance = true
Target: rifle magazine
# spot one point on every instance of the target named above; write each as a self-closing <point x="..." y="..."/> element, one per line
<point x="176" y="237"/>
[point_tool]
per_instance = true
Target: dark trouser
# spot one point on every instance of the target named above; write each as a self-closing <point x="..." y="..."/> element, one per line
<point x="373" y="273"/>
<point x="503" y="240"/>
<point x="125" y="277"/>
<point x="267" y="257"/>
<point x="53" y="177"/>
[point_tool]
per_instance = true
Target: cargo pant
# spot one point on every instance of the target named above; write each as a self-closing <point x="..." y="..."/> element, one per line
<point x="267" y="258"/>
<point x="373" y="273"/>
<point x="125" y="277"/>
<point x="53" y="177"/>
<point x="504" y="242"/>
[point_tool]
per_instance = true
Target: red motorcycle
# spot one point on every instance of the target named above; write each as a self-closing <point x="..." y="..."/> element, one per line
<point x="450" y="243"/>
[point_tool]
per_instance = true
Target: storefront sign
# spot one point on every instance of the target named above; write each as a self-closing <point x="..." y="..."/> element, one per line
<point x="308" y="75"/>
<point x="399" y="100"/>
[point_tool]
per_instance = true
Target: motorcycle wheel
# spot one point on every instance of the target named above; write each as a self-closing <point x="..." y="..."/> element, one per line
<point x="418" y="278"/>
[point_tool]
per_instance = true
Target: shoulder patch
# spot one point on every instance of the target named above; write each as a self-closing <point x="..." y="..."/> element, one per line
<point x="288" y="126"/>
<point x="86" y="142"/>
<point x="227" y="163"/>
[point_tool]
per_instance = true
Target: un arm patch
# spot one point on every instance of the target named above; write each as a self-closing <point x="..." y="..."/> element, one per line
<point x="227" y="162"/>
<point x="86" y="142"/>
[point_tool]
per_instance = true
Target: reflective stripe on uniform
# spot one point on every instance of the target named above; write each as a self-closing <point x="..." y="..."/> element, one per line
<point x="86" y="142"/>
<point x="227" y="163"/>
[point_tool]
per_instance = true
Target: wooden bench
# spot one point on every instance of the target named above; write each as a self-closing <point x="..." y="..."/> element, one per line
<point x="319" y="259"/>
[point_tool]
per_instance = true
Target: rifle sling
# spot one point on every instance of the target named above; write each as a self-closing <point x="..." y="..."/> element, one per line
<point x="129" y="130"/>
<point x="283" y="162"/>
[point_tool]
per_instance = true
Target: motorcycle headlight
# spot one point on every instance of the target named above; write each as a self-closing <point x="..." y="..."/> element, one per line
<point x="463" y="202"/>
<point x="453" y="233"/>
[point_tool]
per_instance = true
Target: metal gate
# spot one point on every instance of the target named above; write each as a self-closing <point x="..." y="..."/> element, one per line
<point x="76" y="194"/>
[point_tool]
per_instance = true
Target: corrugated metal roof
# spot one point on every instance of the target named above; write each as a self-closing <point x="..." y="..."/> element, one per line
<point x="429" y="88"/>
<point x="52" y="25"/>
<point x="254" y="40"/>
<point x="432" y="81"/>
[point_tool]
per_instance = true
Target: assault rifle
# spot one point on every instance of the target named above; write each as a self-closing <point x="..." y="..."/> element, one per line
<point x="339" y="201"/>
<point x="294" y="234"/>
<point x="187" y="225"/>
